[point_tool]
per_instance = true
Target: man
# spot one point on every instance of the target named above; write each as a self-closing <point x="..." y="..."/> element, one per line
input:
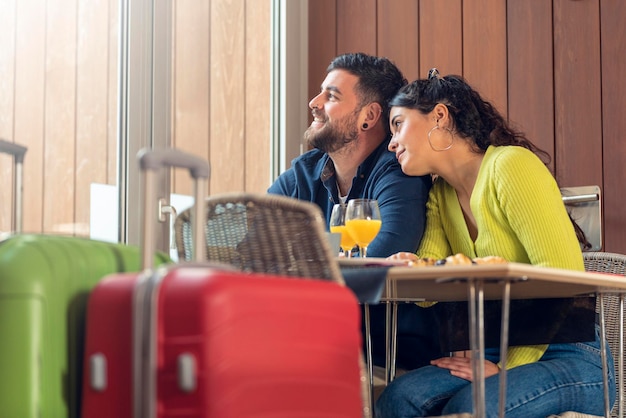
<point x="349" y="135"/>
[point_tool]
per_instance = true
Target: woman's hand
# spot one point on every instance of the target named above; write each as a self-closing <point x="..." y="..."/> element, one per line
<point x="408" y="257"/>
<point x="460" y="365"/>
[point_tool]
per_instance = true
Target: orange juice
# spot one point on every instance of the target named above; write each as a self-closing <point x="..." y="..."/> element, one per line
<point x="347" y="243"/>
<point x="363" y="230"/>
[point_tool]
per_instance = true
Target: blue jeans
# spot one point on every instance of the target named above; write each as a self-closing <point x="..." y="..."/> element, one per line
<point x="568" y="377"/>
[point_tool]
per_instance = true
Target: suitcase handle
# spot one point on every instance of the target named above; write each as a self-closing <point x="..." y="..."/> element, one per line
<point x="156" y="159"/>
<point x="146" y="291"/>
<point x="150" y="161"/>
<point x="17" y="151"/>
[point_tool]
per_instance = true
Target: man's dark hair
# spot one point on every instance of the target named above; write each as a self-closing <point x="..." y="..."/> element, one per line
<point x="379" y="79"/>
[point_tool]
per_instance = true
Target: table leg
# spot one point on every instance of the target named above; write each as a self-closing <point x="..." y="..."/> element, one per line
<point x="394" y="340"/>
<point x="620" y="359"/>
<point x="370" y="363"/>
<point x="391" y="338"/>
<point x="477" y="344"/>
<point x="504" y="345"/>
<point x="605" y="367"/>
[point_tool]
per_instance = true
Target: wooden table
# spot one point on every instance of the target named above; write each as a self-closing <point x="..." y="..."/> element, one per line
<point x="477" y="283"/>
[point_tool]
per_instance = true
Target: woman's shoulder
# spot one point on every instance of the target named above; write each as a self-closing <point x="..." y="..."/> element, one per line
<point x="512" y="158"/>
<point x="510" y="152"/>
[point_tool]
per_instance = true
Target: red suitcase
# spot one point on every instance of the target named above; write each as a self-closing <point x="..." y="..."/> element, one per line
<point x="213" y="342"/>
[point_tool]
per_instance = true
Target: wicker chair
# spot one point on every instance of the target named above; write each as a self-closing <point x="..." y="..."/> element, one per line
<point x="267" y="234"/>
<point x="611" y="263"/>
<point x="263" y="234"/>
<point x="605" y="262"/>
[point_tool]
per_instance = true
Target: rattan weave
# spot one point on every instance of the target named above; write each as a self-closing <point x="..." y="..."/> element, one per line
<point x="605" y="262"/>
<point x="263" y="234"/>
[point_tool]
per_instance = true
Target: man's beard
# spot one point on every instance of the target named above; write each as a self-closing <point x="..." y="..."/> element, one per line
<point x="333" y="137"/>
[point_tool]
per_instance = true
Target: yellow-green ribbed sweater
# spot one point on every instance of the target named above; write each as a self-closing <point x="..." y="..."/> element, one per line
<point x="519" y="214"/>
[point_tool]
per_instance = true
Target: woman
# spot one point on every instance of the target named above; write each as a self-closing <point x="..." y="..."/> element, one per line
<point x="493" y="196"/>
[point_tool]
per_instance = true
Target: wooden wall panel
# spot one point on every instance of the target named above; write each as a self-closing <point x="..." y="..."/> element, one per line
<point x="257" y="87"/>
<point x="7" y="81"/>
<point x="530" y="77"/>
<point x="543" y="65"/>
<point x="221" y="89"/>
<point x="92" y="73"/>
<point x="60" y="116"/>
<point x="441" y="37"/>
<point x="112" y="90"/>
<point x="484" y="49"/>
<point x="398" y="34"/>
<point x="578" y="116"/>
<point x="322" y="42"/>
<point x="28" y="113"/>
<point x="226" y="149"/>
<point x="613" y="36"/>
<point x="356" y="26"/>
<point x="190" y="84"/>
<point x="59" y="85"/>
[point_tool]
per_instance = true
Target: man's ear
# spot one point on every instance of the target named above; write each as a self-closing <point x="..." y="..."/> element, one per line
<point x="372" y="114"/>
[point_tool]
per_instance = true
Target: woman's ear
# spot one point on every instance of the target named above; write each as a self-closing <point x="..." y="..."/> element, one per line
<point x="441" y="114"/>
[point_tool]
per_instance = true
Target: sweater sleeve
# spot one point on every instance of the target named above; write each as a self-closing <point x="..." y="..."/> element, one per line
<point x="531" y="201"/>
<point x="526" y="354"/>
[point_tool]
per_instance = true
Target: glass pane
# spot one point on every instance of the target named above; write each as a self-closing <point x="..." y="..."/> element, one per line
<point x="59" y="98"/>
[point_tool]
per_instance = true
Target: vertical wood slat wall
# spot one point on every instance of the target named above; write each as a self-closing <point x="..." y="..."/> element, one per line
<point x="554" y="68"/>
<point x="221" y="91"/>
<point x="58" y="72"/>
<point x="59" y="98"/>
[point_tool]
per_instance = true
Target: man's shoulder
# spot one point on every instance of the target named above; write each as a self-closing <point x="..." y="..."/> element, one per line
<point x="387" y="176"/>
<point x="387" y="164"/>
<point x="382" y="158"/>
<point x="310" y="158"/>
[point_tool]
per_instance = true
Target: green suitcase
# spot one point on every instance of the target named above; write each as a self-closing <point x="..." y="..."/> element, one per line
<point x="44" y="285"/>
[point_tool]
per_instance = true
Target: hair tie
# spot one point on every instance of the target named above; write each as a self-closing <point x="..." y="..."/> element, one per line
<point x="433" y="73"/>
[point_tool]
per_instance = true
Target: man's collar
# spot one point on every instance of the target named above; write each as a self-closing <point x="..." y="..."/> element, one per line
<point x="328" y="169"/>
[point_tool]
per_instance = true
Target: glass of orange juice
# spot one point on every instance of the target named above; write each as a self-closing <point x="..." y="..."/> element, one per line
<point x="337" y="225"/>
<point x="363" y="222"/>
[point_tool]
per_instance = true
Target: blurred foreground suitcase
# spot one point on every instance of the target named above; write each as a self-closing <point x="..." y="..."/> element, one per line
<point x="44" y="283"/>
<point x="206" y="341"/>
<point x="237" y="345"/>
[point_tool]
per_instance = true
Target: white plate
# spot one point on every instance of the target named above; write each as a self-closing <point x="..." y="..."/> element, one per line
<point x="369" y="261"/>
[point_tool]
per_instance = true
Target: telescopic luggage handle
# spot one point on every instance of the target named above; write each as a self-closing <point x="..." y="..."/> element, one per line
<point x="145" y="298"/>
<point x="17" y="151"/>
<point x="150" y="161"/>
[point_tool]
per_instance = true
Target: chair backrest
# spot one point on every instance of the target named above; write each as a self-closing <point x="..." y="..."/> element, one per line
<point x="584" y="204"/>
<point x="612" y="263"/>
<point x="263" y="233"/>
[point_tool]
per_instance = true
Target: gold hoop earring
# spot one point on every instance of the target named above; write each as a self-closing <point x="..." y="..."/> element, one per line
<point x="440" y="149"/>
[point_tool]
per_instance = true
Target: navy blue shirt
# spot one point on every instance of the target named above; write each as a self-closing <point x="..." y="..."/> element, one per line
<point x="401" y="198"/>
